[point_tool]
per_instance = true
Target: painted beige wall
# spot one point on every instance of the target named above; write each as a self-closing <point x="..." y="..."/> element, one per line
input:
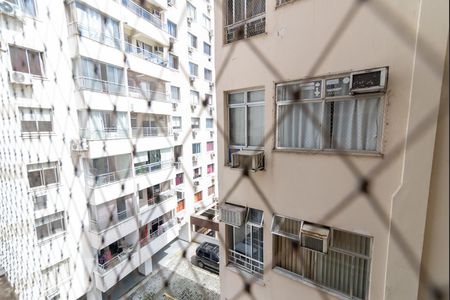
<point x="309" y="185"/>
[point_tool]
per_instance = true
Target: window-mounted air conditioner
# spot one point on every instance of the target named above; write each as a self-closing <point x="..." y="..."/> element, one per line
<point x="196" y="183"/>
<point x="213" y="179"/>
<point x="20" y="78"/>
<point x="233" y="215"/>
<point x="189" y="20"/>
<point x="369" y="81"/>
<point x="315" y="237"/>
<point x="212" y="155"/>
<point x="194" y="134"/>
<point x="175" y="135"/>
<point x="208" y="7"/>
<point x="79" y="145"/>
<point x="170" y="2"/>
<point x="194" y="159"/>
<point x="248" y="159"/>
<point x="192" y="79"/>
<point x="190" y="49"/>
<point x="10" y="9"/>
<point x="211" y="133"/>
<point x="211" y="110"/>
<point x="174" y="106"/>
<point x="211" y="85"/>
<point x="211" y="33"/>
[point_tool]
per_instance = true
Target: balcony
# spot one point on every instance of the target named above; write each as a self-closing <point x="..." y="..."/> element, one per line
<point x="246" y="263"/>
<point x="149" y="131"/>
<point x="145" y="54"/>
<point x="89" y="33"/>
<point x="101" y="86"/>
<point x="104" y="134"/>
<point x="161" y="229"/>
<point x="156" y="200"/>
<point x="153" y="167"/>
<point x="149" y="95"/>
<point x="95" y="180"/>
<point x="143" y="13"/>
<point x="157" y="240"/>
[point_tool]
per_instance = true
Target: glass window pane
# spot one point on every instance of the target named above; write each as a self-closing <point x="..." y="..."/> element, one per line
<point x="237" y="126"/>
<point x="255" y="125"/>
<point x="29" y="126"/>
<point x="42" y="231"/>
<point x="18" y="59"/>
<point x="337" y="87"/>
<point x="34" y="59"/>
<point x="236" y="98"/>
<point x="300" y="91"/>
<point x="255" y="96"/>
<point x="51" y="176"/>
<point x="34" y="178"/>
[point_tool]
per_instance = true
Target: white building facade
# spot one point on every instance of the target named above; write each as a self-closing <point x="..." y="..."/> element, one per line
<point x="108" y="138"/>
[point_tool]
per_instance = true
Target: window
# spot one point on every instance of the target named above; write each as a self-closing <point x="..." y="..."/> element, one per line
<point x="36" y="120"/>
<point x="55" y="275"/>
<point x="197" y="172"/>
<point x="320" y="114"/>
<point x="193" y="69"/>
<point x="27" y="6"/>
<point x="40" y="202"/>
<point x="208" y="74"/>
<point x="196" y="148"/>
<point x="173" y="61"/>
<point x="210" y="168"/>
<point x="96" y="26"/>
<point x="195" y="123"/>
<point x="244" y="18"/>
<point x="195" y="97"/>
<point x="209" y="146"/>
<point x="172" y="28"/>
<point x="179" y="179"/>
<point x="100" y="77"/>
<point x="43" y="174"/>
<point x="175" y="93"/>
<point x="206" y="48"/>
<point x="191" y="11"/>
<point x="246" y="119"/>
<point x="26" y="61"/>
<point x="180" y="205"/>
<point x="211" y="190"/>
<point x="198" y="197"/>
<point x="50" y="225"/>
<point x="246" y="248"/>
<point x="209" y="123"/>
<point x="209" y="99"/>
<point x="344" y="269"/>
<point x="206" y="22"/>
<point x="192" y="40"/>
<point x="176" y="123"/>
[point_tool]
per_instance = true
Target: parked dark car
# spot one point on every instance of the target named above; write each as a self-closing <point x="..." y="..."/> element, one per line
<point x="207" y="256"/>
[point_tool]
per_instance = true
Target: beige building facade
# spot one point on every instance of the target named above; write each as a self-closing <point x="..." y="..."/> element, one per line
<point x="339" y="110"/>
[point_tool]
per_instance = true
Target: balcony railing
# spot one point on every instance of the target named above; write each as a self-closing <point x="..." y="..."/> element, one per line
<point x="149" y="95"/>
<point x="145" y="54"/>
<point x="150" y="131"/>
<point x="153" y="167"/>
<point x="107" y="221"/>
<point x="161" y="229"/>
<point x="104" y="133"/>
<point x="245" y="28"/>
<point x="158" y="199"/>
<point x="98" y="85"/>
<point x="246" y="263"/>
<point x="143" y="13"/>
<point x="101" y="37"/>
<point x="96" y="180"/>
<point x="110" y="264"/>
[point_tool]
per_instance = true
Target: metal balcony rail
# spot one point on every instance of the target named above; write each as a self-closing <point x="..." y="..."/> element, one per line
<point x="96" y="180"/>
<point x="101" y="37"/>
<point x="153" y="167"/>
<point x="149" y="95"/>
<point x="109" y="221"/>
<point x="158" y="199"/>
<point x="150" y="131"/>
<point x="104" y="133"/>
<point x="246" y="28"/>
<point x="161" y="229"/>
<point x="116" y="260"/>
<point x="145" y="54"/>
<point x="98" y="85"/>
<point x="246" y="263"/>
<point x="143" y="13"/>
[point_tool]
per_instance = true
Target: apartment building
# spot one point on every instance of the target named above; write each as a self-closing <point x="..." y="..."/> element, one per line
<point x="108" y="138"/>
<point x="335" y="153"/>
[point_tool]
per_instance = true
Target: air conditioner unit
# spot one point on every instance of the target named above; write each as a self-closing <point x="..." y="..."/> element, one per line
<point x="189" y="20"/>
<point x="209" y="7"/>
<point x="79" y="146"/>
<point x="194" y="134"/>
<point x="211" y="85"/>
<point x="194" y="159"/>
<point x="211" y="33"/>
<point x="10" y="9"/>
<point x="233" y="215"/>
<point x="196" y="183"/>
<point x="190" y="49"/>
<point x="213" y="179"/>
<point x="211" y="110"/>
<point x="369" y="81"/>
<point x="170" y="2"/>
<point x="193" y="106"/>
<point x="180" y="195"/>
<point x="315" y="237"/>
<point x="211" y="133"/>
<point x="212" y="155"/>
<point x="20" y="78"/>
<point x="191" y="79"/>
<point x="174" y="106"/>
<point x="248" y="159"/>
<point x="175" y="135"/>
<point x="209" y="58"/>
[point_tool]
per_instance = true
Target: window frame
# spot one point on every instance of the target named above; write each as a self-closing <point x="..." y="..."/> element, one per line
<point x="174" y="25"/>
<point x="244" y="104"/>
<point x="204" y="48"/>
<point x="48" y="221"/>
<point x="36" y="112"/>
<point x="193" y="41"/>
<point x="41" y="168"/>
<point x="195" y="67"/>
<point x="192" y="123"/>
<point x="175" y="59"/>
<point x="208" y="71"/>
<point x="27" y="50"/>
<point x="323" y="120"/>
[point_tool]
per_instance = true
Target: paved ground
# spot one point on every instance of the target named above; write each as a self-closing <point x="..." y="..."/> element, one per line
<point x="6" y="291"/>
<point x="184" y="281"/>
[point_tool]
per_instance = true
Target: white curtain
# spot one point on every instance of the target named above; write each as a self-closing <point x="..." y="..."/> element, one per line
<point x="354" y="124"/>
<point x="95" y="125"/>
<point x="255" y="125"/>
<point x="237" y="125"/>
<point x="298" y="127"/>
